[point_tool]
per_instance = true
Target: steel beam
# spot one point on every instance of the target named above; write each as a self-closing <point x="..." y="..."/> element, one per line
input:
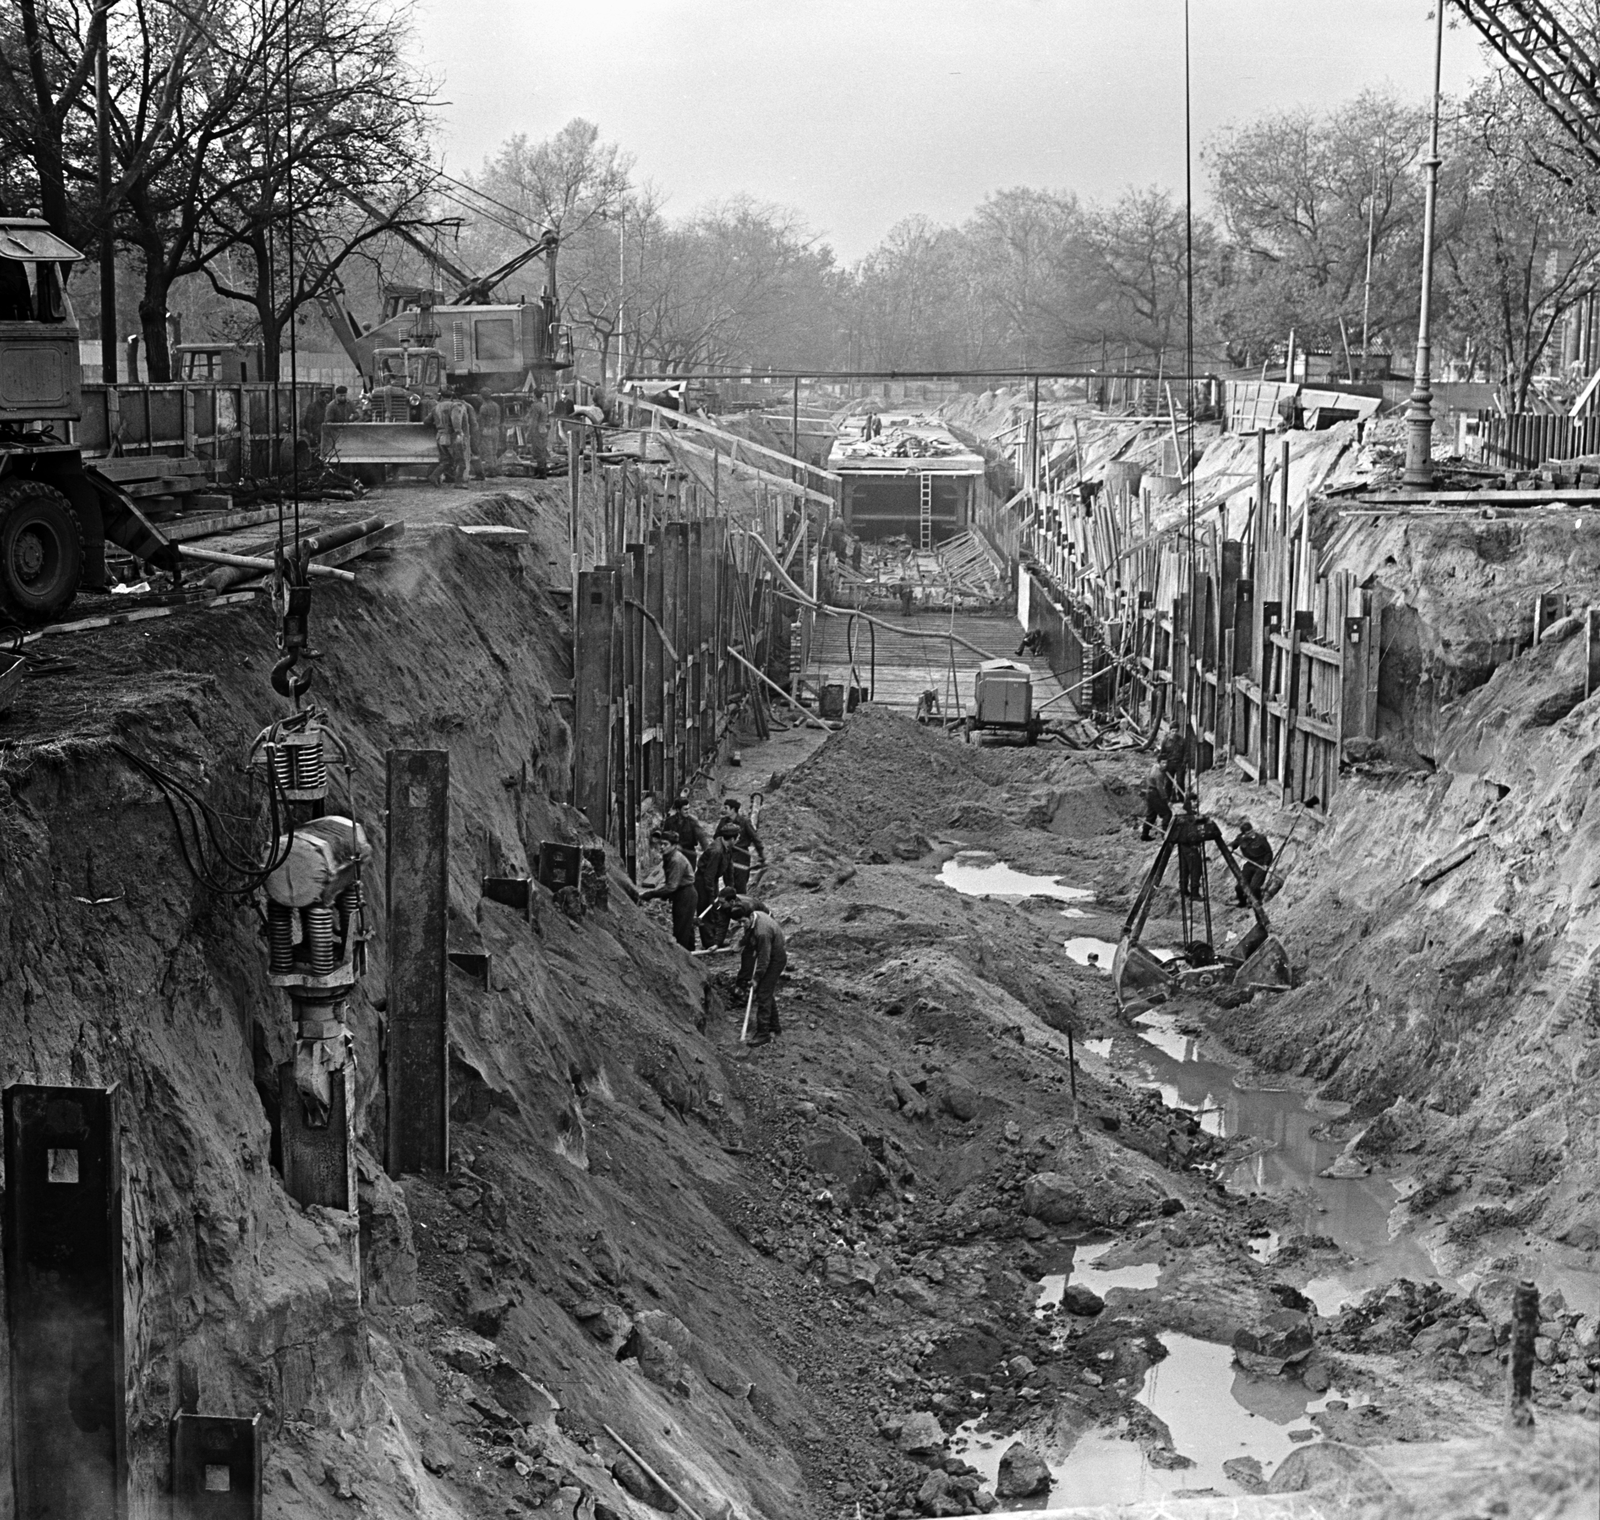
<point x="216" y="1467"/>
<point x="319" y="1161"/>
<point x="417" y="899"/>
<point x="64" y="1303"/>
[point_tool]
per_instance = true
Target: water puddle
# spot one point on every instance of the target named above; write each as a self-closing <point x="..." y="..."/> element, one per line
<point x="1357" y="1213"/>
<point x="1265" y="1247"/>
<point x="1088" y="951"/>
<point x="1215" y="1411"/>
<point x="1102" y="1280"/>
<point x="976" y="873"/>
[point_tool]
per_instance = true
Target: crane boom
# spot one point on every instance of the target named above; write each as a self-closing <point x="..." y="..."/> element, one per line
<point x="1543" y="52"/>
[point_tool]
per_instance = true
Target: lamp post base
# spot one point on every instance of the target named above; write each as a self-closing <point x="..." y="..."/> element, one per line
<point x="1419" y="441"/>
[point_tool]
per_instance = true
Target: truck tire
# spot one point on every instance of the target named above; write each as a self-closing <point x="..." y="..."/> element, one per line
<point x="41" y="551"/>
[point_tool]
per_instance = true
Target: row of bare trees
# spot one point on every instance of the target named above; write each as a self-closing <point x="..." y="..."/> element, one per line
<point x="237" y="130"/>
<point x="274" y="152"/>
<point x="1315" y="228"/>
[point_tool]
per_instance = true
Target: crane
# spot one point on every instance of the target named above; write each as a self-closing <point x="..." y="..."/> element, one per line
<point x="1540" y="48"/>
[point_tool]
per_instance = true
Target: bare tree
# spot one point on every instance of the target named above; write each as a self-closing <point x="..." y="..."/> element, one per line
<point x="1141" y="243"/>
<point x="1519" y="244"/>
<point x="570" y="184"/>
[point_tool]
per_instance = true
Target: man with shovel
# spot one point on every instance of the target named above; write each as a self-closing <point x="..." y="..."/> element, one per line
<point x="765" y="948"/>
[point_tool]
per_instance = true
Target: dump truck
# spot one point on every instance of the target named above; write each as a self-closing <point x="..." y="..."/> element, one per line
<point x="57" y="511"/>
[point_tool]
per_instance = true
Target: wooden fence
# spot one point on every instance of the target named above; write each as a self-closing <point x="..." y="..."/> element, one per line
<point x="1526" y="440"/>
<point x="1247" y="644"/>
<point x="238" y="426"/>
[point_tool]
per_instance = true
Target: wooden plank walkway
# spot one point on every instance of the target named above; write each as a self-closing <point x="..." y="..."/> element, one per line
<point x="919" y="656"/>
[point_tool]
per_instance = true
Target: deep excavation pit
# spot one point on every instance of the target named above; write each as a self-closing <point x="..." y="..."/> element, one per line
<point x="831" y="1272"/>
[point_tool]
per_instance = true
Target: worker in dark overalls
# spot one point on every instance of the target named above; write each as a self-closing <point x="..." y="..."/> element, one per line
<point x="685" y="827"/>
<point x="1255" y="851"/>
<point x="735" y="830"/>
<point x="768" y="954"/>
<point x="677" y="886"/>
<point x="708" y="873"/>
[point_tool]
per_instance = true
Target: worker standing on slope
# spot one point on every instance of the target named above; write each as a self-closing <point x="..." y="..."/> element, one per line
<point x="690" y="833"/>
<point x="768" y="953"/>
<point x="677" y="885"/>
<point x="1157" y="797"/>
<point x="1256" y="850"/>
<point x="708" y="871"/>
<point x="735" y="830"/>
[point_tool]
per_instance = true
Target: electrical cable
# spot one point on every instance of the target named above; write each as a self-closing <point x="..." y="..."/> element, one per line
<point x="205" y="826"/>
<point x="288" y="201"/>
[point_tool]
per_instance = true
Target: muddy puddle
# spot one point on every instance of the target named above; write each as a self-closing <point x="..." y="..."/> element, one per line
<point x="977" y="873"/>
<point x="1215" y="1411"/>
<point x="1102" y="1280"/>
<point x="1086" y="950"/>
<point x="1360" y="1214"/>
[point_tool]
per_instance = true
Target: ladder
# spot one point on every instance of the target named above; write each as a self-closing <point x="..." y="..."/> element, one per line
<point x="925" y="510"/>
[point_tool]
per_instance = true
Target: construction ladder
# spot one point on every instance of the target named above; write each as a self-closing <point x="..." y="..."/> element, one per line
<point x="925" y="510"/>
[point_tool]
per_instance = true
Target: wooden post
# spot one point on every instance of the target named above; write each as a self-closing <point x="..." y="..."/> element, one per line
<point x="1033" y="437"/>
<point x="1519" y="1368"/>
<point x="1591" y="652"/>
<point x="655" y="658"/>
<point x="574" y="522"/>
<point x="1283" y="491"/>
<point x="794" y="448"/>
<point x="593" y="617"/>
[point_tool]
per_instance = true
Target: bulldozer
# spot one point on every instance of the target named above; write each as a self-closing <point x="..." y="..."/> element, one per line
<point x="425" y="344"/>
<point x="57" y="511"/>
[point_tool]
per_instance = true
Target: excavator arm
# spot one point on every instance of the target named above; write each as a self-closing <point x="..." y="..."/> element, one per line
<point x="477" y="292"/>
<point x="1544" y="52"/>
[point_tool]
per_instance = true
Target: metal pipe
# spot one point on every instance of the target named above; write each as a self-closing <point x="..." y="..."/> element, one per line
<point x="1419" y="419"/>
<point x="251" y="562"/>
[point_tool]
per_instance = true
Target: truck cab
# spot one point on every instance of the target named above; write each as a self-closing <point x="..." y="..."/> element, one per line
<point x="56" y="513"/>
<point x="406" y="381"/>
<point x="39" y="370"/>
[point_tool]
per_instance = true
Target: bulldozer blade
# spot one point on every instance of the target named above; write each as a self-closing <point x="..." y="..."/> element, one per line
<point x="1138" y="978"/>
<point x="402" y="443"/>
<point x="1267" y="970"/>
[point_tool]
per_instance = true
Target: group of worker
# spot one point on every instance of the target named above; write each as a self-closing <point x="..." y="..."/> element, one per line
<point x="470" y="433"/>
<point x="469" y="429"/>
<point x="705" y="876"/>
<point x="1163" y="785"/>
<point x="329" y="403"/>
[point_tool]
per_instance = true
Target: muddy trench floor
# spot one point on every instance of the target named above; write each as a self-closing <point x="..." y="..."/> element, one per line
<point x="917" y="1161"/>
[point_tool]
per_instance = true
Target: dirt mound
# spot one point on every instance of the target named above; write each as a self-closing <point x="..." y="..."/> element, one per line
<point x="888" y="788"/>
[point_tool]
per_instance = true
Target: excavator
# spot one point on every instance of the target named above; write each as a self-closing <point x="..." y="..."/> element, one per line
<point x="426" y="343"/>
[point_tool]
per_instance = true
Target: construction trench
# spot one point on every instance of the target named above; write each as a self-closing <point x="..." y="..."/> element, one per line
<point x="512" y="1221"/>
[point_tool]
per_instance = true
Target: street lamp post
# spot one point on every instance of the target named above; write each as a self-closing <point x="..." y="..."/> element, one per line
<point x="1419" y="439"/>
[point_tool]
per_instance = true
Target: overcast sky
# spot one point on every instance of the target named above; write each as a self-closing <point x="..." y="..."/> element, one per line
<point x="861" y="112"/>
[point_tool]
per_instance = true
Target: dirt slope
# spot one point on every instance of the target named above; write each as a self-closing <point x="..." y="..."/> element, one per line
<point x="1452" y="932"/>
<point x="767" y="1270"/>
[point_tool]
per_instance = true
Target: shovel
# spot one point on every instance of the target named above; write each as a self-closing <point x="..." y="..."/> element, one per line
<point x="749" y="1003"/>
